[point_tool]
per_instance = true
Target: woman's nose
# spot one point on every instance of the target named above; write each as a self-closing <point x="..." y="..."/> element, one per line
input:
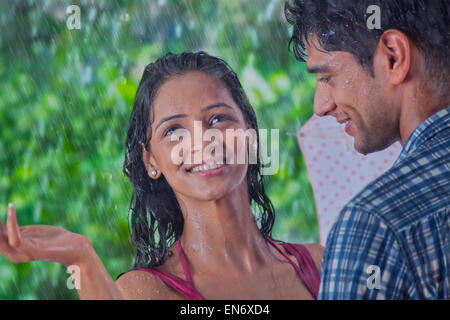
<point x="323" y="102"/>
<point x="197" y="141"/>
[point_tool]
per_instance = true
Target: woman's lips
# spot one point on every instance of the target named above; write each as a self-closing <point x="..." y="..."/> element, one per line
<point x="210" y="172"/>
<point x="208" y="165"/>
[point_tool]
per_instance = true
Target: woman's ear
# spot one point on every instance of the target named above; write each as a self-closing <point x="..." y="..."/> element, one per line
<point x="150" y="163"/>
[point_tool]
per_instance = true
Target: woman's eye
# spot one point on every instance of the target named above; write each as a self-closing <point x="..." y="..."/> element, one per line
<point x="219" y="118"/>
<point x="170" y="131"/>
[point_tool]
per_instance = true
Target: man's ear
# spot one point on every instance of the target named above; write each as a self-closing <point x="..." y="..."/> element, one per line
<point x="394" y="49"/>
<point x="150" y="163"/>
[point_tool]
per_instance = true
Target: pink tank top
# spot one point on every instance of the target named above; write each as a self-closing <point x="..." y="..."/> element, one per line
<point x="306" y="269"/>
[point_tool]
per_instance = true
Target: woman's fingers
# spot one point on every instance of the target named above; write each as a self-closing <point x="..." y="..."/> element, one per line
<point x="12" y="227"/>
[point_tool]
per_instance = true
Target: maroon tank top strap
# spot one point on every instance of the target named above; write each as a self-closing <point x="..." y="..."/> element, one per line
<point x="306" y="268"/>
<point x="184" y="264"/>
<point x="184" y="287"/>
<point x="176" y="283"/>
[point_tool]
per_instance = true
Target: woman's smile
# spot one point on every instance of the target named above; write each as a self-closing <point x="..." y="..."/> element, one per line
<point x="208" y="170"/>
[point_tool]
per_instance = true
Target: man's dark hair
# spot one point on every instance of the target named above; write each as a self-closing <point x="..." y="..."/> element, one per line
<point x="341" y="25"/>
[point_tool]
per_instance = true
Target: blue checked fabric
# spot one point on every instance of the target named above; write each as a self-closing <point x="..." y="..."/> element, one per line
<point x="392" y="240"/>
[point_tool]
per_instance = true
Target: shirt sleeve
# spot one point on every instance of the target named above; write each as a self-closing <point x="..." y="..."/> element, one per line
<point x="363" y="260"/>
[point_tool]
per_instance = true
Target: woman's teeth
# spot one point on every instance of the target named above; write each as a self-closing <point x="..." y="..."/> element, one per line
<point x="208" y="166"/>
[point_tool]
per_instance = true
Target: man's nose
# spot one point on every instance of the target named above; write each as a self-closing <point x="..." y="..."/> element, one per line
<point x="323" y="102"/>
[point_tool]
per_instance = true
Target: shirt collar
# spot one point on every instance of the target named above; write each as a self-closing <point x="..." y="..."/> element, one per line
<point x="427" y="129"/>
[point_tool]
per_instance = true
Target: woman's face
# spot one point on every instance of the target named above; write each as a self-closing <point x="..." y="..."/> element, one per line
<point x="191" y="168"/>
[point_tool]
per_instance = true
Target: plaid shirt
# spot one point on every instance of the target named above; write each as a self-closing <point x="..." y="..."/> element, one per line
<point x="392" y="240"/>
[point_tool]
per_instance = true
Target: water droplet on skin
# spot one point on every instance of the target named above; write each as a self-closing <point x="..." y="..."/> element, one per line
<point x="346" y="83"/>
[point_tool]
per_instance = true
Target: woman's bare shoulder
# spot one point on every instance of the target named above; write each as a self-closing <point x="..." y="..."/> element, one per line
<point x="143" y="285"/>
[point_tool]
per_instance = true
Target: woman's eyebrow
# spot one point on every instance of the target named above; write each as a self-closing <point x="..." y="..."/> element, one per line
<point x="216" y="105"/>
<point x="170" y="118"/>
<point x="175" y="116"/>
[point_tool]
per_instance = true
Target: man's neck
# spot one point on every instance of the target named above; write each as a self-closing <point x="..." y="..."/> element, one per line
<point x="418" y="105"/>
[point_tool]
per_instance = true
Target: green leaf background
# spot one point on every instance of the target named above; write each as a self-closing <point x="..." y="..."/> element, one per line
<point x="66" y="97"/>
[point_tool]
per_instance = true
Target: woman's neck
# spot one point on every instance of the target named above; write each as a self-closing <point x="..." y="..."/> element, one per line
<point x="222" y="233"/>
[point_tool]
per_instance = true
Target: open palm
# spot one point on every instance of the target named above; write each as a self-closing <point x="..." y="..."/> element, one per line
<point x="39" y="242"/>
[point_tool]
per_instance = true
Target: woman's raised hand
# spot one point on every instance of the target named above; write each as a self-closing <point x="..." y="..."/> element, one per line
<point x="40" y="242"/>
<point x="49" y="243"/>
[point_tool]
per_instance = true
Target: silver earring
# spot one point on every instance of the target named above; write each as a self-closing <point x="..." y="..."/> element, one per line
<point x="154" y="173"/>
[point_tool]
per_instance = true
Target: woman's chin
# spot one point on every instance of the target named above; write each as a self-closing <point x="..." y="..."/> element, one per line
<point x="213" y="184"/>
<point x="209" y="194"/>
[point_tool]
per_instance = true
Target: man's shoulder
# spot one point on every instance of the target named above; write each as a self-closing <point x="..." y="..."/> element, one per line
<point x="415" y="187"/>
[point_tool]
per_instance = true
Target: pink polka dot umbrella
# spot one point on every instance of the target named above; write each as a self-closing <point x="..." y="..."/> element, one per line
<point x="336" y="170"/>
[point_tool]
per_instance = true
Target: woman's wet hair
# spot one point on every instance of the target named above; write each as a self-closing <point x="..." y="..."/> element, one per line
<point x="154" y="213"/>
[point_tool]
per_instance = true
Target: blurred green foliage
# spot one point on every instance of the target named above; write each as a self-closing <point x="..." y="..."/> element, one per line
<point x="66" y="97"/>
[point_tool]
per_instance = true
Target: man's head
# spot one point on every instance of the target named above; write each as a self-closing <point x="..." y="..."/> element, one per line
<point x="365" y="76"/>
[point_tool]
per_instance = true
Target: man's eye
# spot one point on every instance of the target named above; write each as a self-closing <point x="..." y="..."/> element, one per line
<point x="324" y="79"/>
<point x="219" y="118"/>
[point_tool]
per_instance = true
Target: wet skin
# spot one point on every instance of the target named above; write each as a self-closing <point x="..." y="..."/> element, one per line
<point x="227" y="255"/>
<point x="379" y="109"/>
